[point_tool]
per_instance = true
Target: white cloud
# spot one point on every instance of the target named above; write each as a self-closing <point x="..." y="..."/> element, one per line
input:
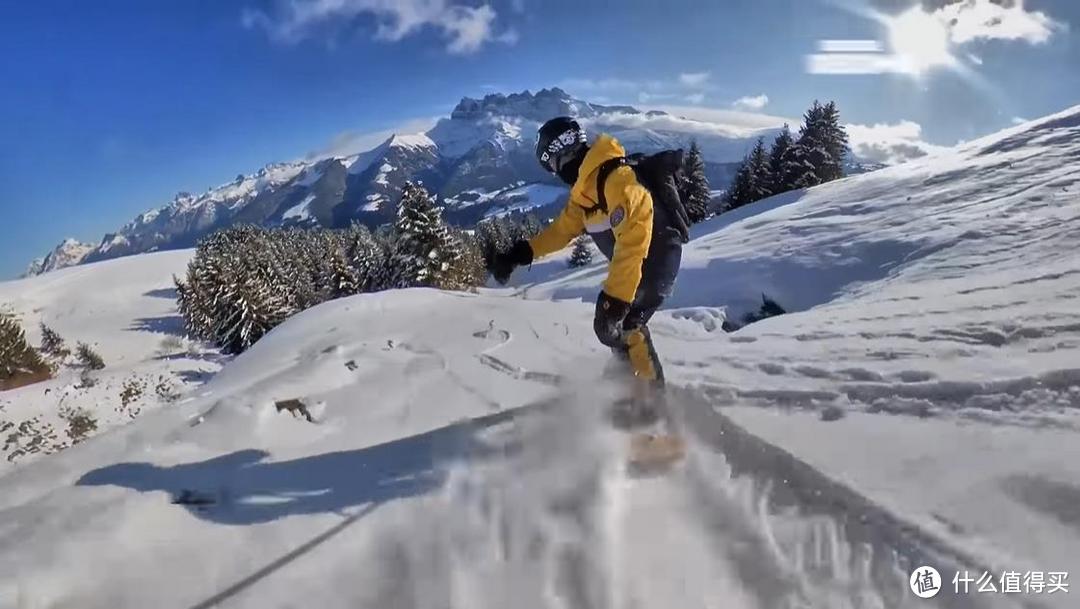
<point x="971" y="20"/>
<point x="889" y="143"/>
<point x="1018" y="120"/>
<point x="693" y="79"/>
<point x="610" y="85"/>
<point x="645" y="97"/>
<point x="701" y="119"/>
<point x="509" y="37"/>
<point x="689" y="86"/>
<point x="466" y="28"/>
<point x="348" y="143"/>
<point x="756" y="102"/>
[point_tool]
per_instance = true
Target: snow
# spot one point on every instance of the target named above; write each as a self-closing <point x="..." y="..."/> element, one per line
<point x="116" y="240"/>
<point x="236" y="192"/>
<point x="932" y="317"/>
<point x="309" y="178"/>
<point x="373" y="202"/>
<point x="149" y="216"/>
<point x="524" y="198"/>
<point x="517" y="197"/>
<point x="362" y="162"/>
<point x="412" y="141"/>
<point x="126" y="310"/>
<point x="384" y="171"/>
<point x="301" y="211"/>
<point x="719" y="143"/>
<point x="455" y="137"/>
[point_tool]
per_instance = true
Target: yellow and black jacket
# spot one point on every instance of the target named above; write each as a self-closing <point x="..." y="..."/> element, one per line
<point x="629" y="215"/>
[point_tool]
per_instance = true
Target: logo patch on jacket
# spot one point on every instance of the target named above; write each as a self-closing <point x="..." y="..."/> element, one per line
<point x="617" y="216"/>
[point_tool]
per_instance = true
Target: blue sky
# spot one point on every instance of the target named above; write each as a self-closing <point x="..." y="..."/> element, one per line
<point x="111" y="107"/>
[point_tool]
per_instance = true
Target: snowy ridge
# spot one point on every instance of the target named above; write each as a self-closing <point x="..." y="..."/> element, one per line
<point x="919" y="405"/>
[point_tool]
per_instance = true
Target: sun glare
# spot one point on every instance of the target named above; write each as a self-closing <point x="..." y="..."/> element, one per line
<point x="920" y="41"/>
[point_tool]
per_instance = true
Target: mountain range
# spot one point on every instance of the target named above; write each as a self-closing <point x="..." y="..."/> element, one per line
<point x="479" y="161"/>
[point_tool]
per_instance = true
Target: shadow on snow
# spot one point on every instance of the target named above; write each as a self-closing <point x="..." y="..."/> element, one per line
<point x="246" y="487"/>
<point x="166" y="324"/>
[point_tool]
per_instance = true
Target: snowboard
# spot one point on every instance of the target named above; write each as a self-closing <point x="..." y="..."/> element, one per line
<point x="655" y="444"/>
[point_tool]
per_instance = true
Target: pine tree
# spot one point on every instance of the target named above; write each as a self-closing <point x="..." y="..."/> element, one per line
<point x="761" y="179"/>
<point x="19" y="362"/>
<point x="738" y="194"/>
<point x="808" y="153"/>
<point x="423" y="248"/>
<point x="378" y="271"/>
<point x="779" y="161"/>
<point x="344" y="277"/>
<point x="532" y="224"/>
<point x="799" y="166"/>
<point x="52" y="343"/>
<point x="696" y="188"/>
<point x="488" y="240"/>
<point x="753" y="180"/>
<point x="241" y="283"/>
<point x="256" y="303"/>
<point x="244" y="281"/>
<point x="88" y="357"/>
<point x="834" y="140"/>
<point x="513" y="228"/>
<point x="818" y="155"/>
<point x="468" y="271"/>
<point x="582" y="253"/>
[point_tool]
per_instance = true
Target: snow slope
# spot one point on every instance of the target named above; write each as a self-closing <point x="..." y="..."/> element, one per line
<point x="126" y="310"/>
<point x="381" y="503"/>
<point x="917" y="406"/>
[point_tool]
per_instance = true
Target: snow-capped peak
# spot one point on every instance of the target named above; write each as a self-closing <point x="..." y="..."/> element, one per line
<point x="411" y="141"/>
<point x="69" y="253"/>
<point x="537" y="107"/>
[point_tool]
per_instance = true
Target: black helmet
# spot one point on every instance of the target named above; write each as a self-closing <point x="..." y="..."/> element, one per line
<point x="558" y="142"/>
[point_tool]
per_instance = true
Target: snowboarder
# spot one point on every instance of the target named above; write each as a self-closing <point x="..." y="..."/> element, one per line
<point x="641" y="238"/>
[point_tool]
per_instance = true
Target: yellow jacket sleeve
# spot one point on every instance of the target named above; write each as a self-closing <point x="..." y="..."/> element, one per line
<point x="630" y="209"/>
<point x="569" y="224"/>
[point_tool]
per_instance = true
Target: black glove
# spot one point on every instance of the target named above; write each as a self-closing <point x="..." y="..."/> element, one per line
<point x="608" y="321"/>
<point x="504" y="263"/>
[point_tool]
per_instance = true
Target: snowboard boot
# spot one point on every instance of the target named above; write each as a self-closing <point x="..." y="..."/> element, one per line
<point x="641" y="408"/>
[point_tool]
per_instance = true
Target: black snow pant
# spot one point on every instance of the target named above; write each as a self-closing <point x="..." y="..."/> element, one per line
<point x="658" y="272"/>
